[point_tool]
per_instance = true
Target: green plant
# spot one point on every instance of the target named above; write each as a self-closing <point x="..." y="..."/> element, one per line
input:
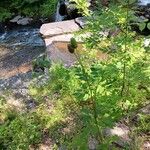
<point x="20" y="132"/>
<point x="83" y="6"/>
<point x="42" y="62"/>
<point x="108" y="90"/>
<point x="31" y="8"/>
<point x="39" y="66"/>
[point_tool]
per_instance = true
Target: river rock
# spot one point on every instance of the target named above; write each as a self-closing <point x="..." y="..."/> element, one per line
<point x="24" y="21"/>
<point x="57" y="37"/>
<point x="21" y="20"/>
<point x="16" y="19"/>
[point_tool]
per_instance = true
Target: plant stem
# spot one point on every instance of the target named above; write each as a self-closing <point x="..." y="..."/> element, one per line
<point x="124" y="79"/>
<point x="92" y="96"/>
<point x="125" y="50"/>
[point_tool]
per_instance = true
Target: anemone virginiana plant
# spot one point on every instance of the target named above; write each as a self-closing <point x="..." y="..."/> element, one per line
<point x="112" y="88"/>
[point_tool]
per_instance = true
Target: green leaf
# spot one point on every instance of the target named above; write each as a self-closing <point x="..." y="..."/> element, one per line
<point x="142" y="26"/>
<point x="148" y="25"/>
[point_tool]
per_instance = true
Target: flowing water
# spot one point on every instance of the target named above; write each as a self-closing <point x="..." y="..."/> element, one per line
<point x="22" y="36"/>
<point x="58" y="17"/>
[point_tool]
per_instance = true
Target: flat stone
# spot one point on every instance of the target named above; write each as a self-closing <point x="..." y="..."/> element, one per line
<point x="57" y="49"/>
<point x="58" y="38"/>
<point x="58" y="53"/>
<point x="58" y="28"/>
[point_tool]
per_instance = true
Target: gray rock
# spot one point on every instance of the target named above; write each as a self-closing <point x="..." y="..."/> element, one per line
<point x="16" y="19"/>
<point x="92" y="143"/>
<point x="21" y="20"/>
<point x="146" y="145"/>
<point x="70" y="7"/>
<point x="145" y="110"/>
<point x="24" y="21"/>
<point x="81" y="21"/>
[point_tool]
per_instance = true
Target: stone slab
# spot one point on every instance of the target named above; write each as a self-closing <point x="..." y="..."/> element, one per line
<point x="57" y="55"/>
<point x="58" y="38"/>
<point x="58" y="28"/>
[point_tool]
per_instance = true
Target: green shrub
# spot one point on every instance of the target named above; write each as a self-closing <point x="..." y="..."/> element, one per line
<point x="31" y="8"/>
<point x="20" y="133"/>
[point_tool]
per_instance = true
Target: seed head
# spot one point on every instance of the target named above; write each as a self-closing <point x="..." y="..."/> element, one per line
<point x="73" y="43"/>
<point x="70" y="48"/>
